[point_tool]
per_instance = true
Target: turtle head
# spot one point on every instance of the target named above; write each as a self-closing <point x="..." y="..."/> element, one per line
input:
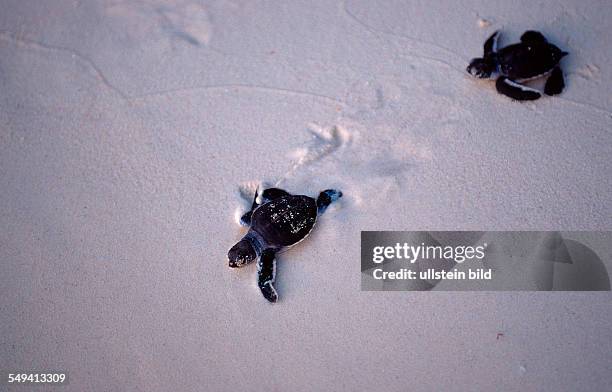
<point x="241" y="254"/>
<point x="481" y="68"/>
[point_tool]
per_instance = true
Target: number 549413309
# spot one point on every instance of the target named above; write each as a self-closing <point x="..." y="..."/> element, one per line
<point x="37" y="378"/>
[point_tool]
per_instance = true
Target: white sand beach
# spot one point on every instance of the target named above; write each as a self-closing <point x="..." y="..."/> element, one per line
<point x="132" y="134"/>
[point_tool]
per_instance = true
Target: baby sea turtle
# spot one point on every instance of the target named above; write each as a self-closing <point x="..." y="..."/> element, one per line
<point x="277" y="220"/>
<point x="532" y="58"/>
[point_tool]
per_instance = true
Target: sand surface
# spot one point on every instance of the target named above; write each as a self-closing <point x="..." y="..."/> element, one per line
<point x="130" y="131"/>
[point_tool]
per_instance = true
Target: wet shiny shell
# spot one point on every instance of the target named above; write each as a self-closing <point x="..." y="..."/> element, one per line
<point x="524" y="61"/>
<point x="285" y="221"/>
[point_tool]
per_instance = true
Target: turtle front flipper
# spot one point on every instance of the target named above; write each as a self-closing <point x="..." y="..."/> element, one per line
<point x="246" y="218"/>
<point x="515" y="90"/>
<point x="555" y="83"/>
<point x="266" y="196"/>
<point x="273" y="193"/>
<point x="490" y="45"/>
<point x="266" y="274"/>
<point x="484" y="67"/>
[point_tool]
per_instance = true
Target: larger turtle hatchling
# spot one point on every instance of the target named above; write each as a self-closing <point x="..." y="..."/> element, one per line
<point x="277" y="220"/>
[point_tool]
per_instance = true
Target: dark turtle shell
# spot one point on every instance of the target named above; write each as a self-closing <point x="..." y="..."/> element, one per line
<point x="286" y="220"/>
<point x="528" y="60"/>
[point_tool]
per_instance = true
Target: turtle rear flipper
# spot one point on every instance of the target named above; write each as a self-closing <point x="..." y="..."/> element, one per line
<point x="515" y="90"/>
<point x="327" y="197"/>
<point x="555" y="83"/>
<point x="266" y="274"/>
<point x="532" y="37"/>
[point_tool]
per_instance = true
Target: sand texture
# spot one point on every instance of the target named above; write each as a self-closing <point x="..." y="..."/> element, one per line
<point x="132" y="133"/>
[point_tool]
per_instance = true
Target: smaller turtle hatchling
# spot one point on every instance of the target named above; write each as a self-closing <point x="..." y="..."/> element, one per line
<point x="277" y="220"/>
<point x="532" y="58"/>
